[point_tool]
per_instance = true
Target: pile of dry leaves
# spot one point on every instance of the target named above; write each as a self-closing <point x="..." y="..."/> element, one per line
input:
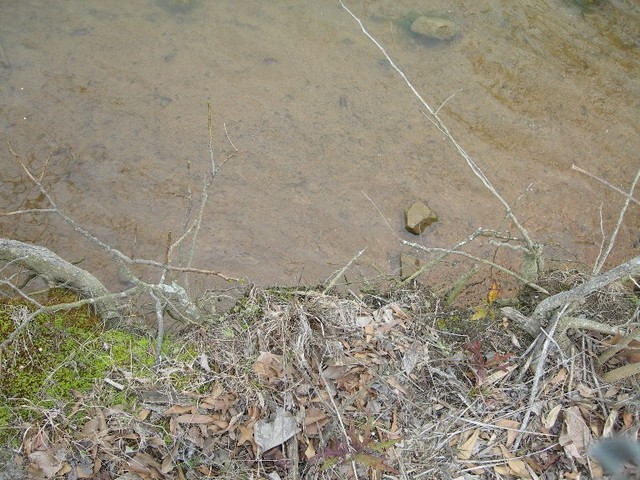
<point x="302" y="384"/>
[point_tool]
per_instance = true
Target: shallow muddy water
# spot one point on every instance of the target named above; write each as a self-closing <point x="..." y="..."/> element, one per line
<point x="331" y="143"/>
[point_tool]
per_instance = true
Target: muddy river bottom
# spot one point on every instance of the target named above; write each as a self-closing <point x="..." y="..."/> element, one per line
<point x="319" y="143"/>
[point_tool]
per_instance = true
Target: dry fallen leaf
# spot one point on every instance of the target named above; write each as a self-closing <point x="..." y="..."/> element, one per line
<point x="46" y="462"/>
<point x="512" y="429"/>
<point x="167" y="465"/>
<point x="551" y="417"/>
<point x="195" y="418"/>
<point x="269" y="366"/>
<point x="268" y="434"/>
<point x="631" y="352"/>
<point x="576" y="436"/>
<point x="517" y="466"/>
<point x="179" y="409"/>
<point x="209" y="400"/>
<point x="314" y="420"/>
<point x="246" y="435"/>
<point x="466" y="449"/>
<point x="310" y="452"/>
<point x="145" y="465"/>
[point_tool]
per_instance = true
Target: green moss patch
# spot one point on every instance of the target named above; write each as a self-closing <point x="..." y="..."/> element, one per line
<point x="59" y="356"/>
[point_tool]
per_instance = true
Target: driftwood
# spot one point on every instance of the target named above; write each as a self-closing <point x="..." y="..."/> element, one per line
<point x="57" y="271"/>
<point x="572" y="299"/>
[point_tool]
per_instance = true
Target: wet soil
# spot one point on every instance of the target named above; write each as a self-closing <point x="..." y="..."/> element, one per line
<point x="331" y="144"/>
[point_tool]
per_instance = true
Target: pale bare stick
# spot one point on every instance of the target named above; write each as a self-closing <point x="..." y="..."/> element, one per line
<point x="29" y="210"/>
<point x="614" y="235"/>
<point x="533" y="248"/>
<point x="446" y="251"/>
<point x="603" y="181"/>
<point x="336" y="275"/>
<point x="229" y="138"/>
<point x="538" y="375"/>
<point x="447" y="99"/>
<point x="116" y="254"/>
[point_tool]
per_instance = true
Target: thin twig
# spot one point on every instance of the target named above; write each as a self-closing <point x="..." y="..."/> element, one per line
<point x="608" y="184"/>
<point x="462" y="253"/>
<point x="160" y="327"/>
<point x="447" y="99"/>
<point x="29" y="210"/>
<point x="337" y="274"/>
<point x="614" y="235"/>
<point x="116" y="254"/>
<point x="538" y="375"/>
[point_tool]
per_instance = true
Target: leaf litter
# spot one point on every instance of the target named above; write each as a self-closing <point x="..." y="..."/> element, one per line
<point x="303" y="384"/>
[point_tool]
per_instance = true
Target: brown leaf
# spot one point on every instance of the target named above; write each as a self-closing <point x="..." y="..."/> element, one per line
<point x="179" y="409"/>
<point x="576" y="435"/>
<point x="314" y="420"/>
<point x="631" y="353"/>
<point x="334" y="372"/>
<point x="209" y="400"/>
<point x="512" y="429"/>
<point x="395" y="384"/>
<point x="46" y="462"/>
<point x="195" y="436"/>
<point x="314" y="415"/>
<point x="167" y="465"/>
<point x="466" y="449"/>
<point x="560" y="377"/>
<point x="144" y="465"/>
<point x="269" y="366"/>
<point x="246" y="435"/>
<point x="551" y="417"/>
<point x="517" y="466"/>
<point x="195" y="418"/>
<point x="143" y="414"/>
<point x="310" y="452"/>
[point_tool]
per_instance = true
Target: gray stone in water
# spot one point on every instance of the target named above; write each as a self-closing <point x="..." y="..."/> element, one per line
<point x="418" y="217"/>
<point x="435" y="28"/>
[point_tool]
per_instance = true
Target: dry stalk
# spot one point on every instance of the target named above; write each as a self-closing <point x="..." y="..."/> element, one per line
<point x="602" y="259"/>
<point x="605" y="182"/>
<point x="446" y="252"/>
<point x="538" y="375"/>
<point x="339" y="273"/>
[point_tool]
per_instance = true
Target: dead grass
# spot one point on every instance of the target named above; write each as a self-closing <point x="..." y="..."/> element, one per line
<point x="295" y="383"/>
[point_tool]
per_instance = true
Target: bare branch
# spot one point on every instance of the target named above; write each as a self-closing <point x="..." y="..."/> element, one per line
<point x="614" y="235"/>
<point x="57" y="270"/>
<point x="435" y="119"/>
<point x="608" y="184"/>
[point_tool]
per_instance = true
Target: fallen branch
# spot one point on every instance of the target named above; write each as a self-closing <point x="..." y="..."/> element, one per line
<point x="577" y="294"/>
<point x="169" y="297"/>
<point x="605" y="182"/>
<point x="58" y="271"/>
<point x="570" y="300"/>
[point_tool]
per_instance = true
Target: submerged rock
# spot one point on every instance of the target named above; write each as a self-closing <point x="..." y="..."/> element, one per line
<point x="408" y="265"/>
<point x="418" y="217"/>
<point x="435" y="28"/>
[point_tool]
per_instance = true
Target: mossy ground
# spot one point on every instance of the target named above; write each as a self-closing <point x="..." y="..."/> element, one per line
<point x="373" y="370"/>
<point x="59" y="356"/>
